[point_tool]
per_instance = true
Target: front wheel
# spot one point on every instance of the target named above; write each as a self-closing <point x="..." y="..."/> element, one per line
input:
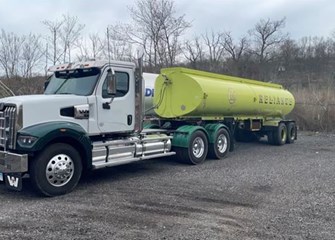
<point x="56" y="170"/>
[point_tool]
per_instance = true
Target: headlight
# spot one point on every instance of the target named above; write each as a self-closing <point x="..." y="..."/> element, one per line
<point x="26" y="141"/>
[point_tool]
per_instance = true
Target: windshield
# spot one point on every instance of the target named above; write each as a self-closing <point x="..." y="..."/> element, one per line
<point x="78" y="82"/>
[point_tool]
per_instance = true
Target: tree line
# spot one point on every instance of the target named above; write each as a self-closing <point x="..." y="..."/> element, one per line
<point x="266" y="52"/>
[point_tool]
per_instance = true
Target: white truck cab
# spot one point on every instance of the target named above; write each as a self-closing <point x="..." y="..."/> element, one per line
<point x="79" y="123"/>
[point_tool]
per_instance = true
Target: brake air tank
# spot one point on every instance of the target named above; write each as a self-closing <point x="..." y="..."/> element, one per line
<point x="182" y="92"/>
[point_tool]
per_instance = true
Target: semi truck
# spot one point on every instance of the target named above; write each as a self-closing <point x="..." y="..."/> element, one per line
<point x="98" y="114"/>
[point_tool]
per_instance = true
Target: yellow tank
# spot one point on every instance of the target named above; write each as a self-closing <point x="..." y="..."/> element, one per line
<point x="182" y="92"/>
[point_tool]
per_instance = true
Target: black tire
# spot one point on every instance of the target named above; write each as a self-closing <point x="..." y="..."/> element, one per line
<point x="280" y="135"/>
<point x="56" y="170"/>
<point x="221" y="145"/>
<point x="197" y="149"/>
<point x="291" y="132"/>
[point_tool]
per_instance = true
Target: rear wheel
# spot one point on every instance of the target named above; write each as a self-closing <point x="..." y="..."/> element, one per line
<point x="56" y="170"/>
<point x="291" y="132"/>
<point x="279" y="135"/>
<point x="197" y="149"/>
<point x="220" y="148"/>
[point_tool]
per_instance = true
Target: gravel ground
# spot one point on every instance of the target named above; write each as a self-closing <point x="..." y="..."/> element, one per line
<point x="258" y="192"/>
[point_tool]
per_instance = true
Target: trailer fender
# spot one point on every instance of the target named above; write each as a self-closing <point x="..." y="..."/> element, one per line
<point x="220" y="142"/>
<point x="212" y="129"/>
<point x="181" y="137"/>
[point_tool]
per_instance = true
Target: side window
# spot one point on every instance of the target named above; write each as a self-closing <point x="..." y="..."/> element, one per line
<point x="122" y="85"/>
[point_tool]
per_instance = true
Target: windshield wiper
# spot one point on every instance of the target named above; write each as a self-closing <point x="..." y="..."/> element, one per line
<point x="66" y="79"/>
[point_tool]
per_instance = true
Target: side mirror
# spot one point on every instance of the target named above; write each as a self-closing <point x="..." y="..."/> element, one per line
<point x="111" y="83"/>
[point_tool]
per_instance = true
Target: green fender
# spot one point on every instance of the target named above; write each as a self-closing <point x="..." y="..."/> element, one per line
<point x="183" y="134"/>
<point x="212" y="129"/>
<point x="61" y="131"/>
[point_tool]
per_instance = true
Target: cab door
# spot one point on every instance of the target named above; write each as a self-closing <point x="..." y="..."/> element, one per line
<point x="116" y="114"/>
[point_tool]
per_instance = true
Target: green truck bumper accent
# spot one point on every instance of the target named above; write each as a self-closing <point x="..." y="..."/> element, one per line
<point x="182" y="135"/>
<point x="46" y="132"/>
<point x="13" y="163"/>
<point x="58" y="131"/>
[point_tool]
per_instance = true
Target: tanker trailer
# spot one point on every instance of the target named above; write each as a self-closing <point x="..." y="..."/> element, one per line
<point x="215" y="103"/>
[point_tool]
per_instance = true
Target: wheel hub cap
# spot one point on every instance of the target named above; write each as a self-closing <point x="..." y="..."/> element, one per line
<point x="222" y="143"/>
<point x="59" y="170"/>
<point x="198" y="147"/>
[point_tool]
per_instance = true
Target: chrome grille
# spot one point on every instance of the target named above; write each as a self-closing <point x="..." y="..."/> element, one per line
<point x="7" y="127"/>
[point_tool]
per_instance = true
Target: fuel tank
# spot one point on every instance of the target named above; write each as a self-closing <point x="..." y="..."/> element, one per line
<point x="182" y="92"/>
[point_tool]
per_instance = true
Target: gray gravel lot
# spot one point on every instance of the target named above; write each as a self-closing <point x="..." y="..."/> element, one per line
<point x="258" y="192"/>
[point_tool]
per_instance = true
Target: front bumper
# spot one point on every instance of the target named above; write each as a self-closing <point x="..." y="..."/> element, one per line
<point x="13" y="162"/>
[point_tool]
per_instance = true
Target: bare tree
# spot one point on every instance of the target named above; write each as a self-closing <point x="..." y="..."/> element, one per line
<point x="214" y="43"/>
<point x="118" y="47"/>
<point x="237" y="54"/>
<point x="97" y="45"/>
<point x="70" y="33"/>
<point x="10" y="52"/>
<point x="32" y="54"/>
<point x="158" y="30"/>
<point x="54" y="38"/>
<point x="267" y="36"/>
<point x="91" y="48"/>
<point x="193" y="51"/>
<point x="234" y="50"/>
<point x="64" y="34"/>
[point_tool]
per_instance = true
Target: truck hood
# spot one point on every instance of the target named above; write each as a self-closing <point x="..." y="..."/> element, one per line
<point x="45" y="108"/>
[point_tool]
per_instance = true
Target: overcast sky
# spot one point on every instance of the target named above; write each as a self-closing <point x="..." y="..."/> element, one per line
<point x="303" y="17"/>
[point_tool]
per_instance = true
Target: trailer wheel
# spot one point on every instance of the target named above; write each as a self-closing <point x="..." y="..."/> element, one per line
<point x="197" y="149"/>
<point x="291" y="132"/>
<point x="56" y="170"/>
<point x="221" y="145"/>
<point x="280" y="135"/>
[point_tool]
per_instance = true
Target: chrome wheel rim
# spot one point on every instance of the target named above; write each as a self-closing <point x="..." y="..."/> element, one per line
<point x="222" y="143"/>
<point x="59" y="170"/>
<point x="198" y="147"/>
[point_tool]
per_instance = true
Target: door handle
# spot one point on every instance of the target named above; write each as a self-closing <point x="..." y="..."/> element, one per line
<point x="129" y="119"/>
<point x="106" y="105"/>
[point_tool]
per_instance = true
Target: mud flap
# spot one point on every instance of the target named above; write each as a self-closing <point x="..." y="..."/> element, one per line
<point x="13" y="181"/>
